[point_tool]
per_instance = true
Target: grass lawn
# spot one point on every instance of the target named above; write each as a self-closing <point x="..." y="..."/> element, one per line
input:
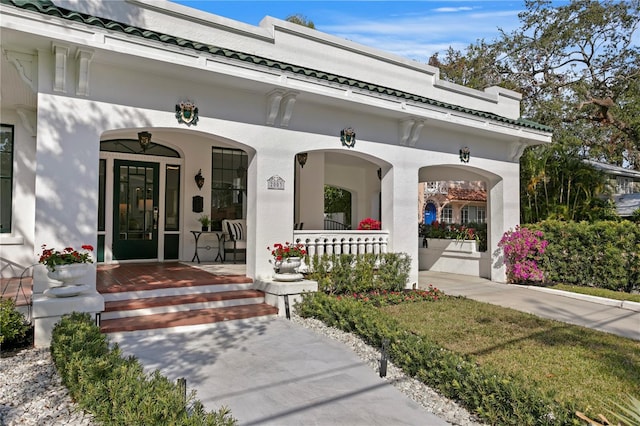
<point x="588" y="367"/>
<point x="601" y="292"/>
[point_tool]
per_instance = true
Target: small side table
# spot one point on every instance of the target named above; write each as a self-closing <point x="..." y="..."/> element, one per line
<point x="196" y="236"/>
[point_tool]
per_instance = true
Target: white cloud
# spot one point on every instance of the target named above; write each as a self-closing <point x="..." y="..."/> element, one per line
<point x="418" y="36"/>
<point x="451" y="9"/>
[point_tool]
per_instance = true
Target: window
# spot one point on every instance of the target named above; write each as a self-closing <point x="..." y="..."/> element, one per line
<point x="228" y="184"/>
<point x="623" y="185"/>
<point x="464" y="215"/>
<point x="447" y="215"/>
<point x="6" y="177"/>
<point x="481" y="215"/>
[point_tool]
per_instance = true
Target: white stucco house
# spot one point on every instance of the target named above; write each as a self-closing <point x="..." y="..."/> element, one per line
<point x="84" y="81"/>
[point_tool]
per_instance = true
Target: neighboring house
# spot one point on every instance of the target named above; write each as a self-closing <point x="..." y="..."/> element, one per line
<point x="623" y="187"/>
<point x="452" y="202"/>
<point x="124" y="121"/>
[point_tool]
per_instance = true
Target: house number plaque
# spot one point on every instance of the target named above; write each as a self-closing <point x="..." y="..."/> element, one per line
<point x="275" y="182"/>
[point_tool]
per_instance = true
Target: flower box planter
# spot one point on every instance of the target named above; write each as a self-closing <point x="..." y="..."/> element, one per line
<point x="455" y="257"/>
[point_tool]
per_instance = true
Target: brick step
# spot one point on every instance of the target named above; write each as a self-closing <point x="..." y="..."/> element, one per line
<point x="184" y="318"/>
<point x="146" y="283"/>
<point x="182" y="302"/>
<point x="176" y="291"/>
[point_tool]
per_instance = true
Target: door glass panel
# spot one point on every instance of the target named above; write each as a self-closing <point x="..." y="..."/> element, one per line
<point x="172" y="198"/>
<point x="138" y="219"/>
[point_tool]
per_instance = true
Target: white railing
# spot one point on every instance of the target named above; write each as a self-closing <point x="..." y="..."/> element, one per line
<point x="342" y="242"/>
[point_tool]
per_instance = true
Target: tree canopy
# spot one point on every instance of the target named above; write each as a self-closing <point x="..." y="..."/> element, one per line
<point x="578" y="69"/>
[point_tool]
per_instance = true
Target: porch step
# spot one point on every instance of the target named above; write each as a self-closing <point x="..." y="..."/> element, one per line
<point x="176" y="296"/>
<point x="177" y="319"/>
<point x="186" y="302"/>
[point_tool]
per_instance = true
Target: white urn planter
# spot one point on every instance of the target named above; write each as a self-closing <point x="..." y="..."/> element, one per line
<point x="69" y="275"/>
<point x="287" y="269"/>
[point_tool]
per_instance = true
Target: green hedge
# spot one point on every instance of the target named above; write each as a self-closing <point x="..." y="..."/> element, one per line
<point x="495" y="397"/>
<point x="603" y="254"/>
<point x="348" y="273"/>
<point x="115" y="389"/>
<point x="13" y="326"/>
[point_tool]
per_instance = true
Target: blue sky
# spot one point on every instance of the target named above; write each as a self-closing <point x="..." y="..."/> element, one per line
<point x="414" y="29"/>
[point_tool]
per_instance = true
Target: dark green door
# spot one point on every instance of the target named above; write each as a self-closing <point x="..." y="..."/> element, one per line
<point x="135" y="213"/>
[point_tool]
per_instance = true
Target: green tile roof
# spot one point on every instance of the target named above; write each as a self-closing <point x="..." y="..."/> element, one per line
<point x="46" y="7"/>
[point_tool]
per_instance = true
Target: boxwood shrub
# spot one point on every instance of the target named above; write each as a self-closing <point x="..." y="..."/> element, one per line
<point x="603" y="254"/>
<point x="115" y="388"/>
<point x="348" y="273"/>
<point x="495" y="397"/>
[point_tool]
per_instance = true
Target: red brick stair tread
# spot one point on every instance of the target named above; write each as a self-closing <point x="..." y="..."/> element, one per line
<point x="150" y="283"/>
<point x="151" y="302"/>
<point x="175" y="319"/>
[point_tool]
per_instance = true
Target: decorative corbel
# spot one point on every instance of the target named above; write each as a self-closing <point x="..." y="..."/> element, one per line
<point x="26" y="65"/>
<point x="517" y="148"/>
<point x="287" y="104"/>
<point x="410" y="129"/>
<point x="83" y="59"/>
<point x="60" y="53"/>
<point x="405" y="130"/>
<point x="273" y="105"/>
<point x="415" y="132"/>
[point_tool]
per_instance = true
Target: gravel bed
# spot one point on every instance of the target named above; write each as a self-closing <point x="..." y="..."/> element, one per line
<point x="433" y="402"/>
<point x="31" y="392"/>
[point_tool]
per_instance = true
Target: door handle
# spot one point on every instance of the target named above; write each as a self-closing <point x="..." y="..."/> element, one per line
<point x="155" y="217"/>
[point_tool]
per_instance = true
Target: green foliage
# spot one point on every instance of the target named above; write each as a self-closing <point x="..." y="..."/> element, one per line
<point x="604" y="254"/>
<point x="556" y="184"/>
<point x="495" y="397"/>
<point x="115" y="389"/>
<point x="627" y="411"/>
<point x="470" y="231"/>
<point x="347" y="273"/>
<point x="300" y="19"/>
<point x="635" y="216"/>
<point x="13" y="325"/>
<point x="337" y="200"/>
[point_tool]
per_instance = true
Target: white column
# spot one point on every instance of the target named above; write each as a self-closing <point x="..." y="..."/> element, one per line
<point x="270" y="209"/>
<point x="399" y="213"/>
<point x="66" y="192"/>
<point x="503" y="210"/>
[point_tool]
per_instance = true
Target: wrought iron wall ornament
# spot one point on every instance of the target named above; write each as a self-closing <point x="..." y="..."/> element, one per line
<point x="302" y="158"/>
<point x="187" y="113"/>
<point x="465" y="154"/>
<point x="199" y="179"/>
<point x="348" y="137"/>
<point x="144" y="139"/>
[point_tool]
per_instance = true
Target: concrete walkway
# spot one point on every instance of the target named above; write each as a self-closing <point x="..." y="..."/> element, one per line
<point x="601" y="314"/>
<point x="271" y="371"/>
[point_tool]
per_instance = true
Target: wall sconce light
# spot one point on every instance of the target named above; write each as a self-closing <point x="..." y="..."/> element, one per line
<point x="199" y="179"/>
<point x="348" y="137"/>
<point x="465" y="154"/>
<point x="302" y="158"/>
<point x="144" y="138"/>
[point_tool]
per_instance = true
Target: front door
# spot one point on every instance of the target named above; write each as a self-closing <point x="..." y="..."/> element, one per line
<point x="135" y="213"/>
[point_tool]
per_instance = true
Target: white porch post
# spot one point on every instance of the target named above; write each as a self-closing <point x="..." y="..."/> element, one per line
<point x="399" y="213"/>
<point x="66" y="192"/>
<point x="503" y="204"/>
<point x="270" y="210"/>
